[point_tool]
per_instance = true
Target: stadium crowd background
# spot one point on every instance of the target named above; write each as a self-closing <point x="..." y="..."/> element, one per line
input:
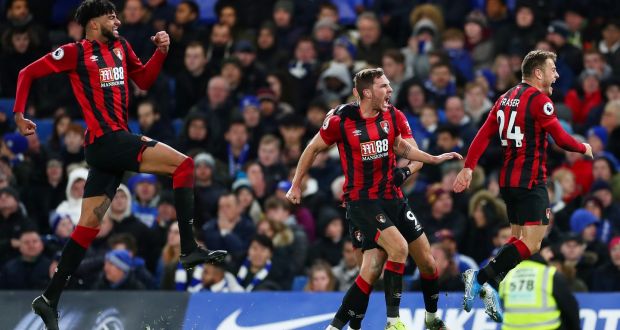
<point x="247" y="83"/>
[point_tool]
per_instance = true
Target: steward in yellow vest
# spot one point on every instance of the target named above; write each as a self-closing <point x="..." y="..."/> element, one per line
<point x="536" y="297"/>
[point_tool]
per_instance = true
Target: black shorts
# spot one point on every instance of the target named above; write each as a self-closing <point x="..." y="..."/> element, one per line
<point x="109" y="156"/>
<point x="368" y="217"/>
<point x="527" y="207"/>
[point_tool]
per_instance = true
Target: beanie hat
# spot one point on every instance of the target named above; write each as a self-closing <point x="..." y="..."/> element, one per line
<point x="581" y="219"/>
<point x="120" y="259"/>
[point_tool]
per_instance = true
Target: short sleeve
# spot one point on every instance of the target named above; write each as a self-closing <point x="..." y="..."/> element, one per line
<point x="63" y="58"/>
<point x="330" y="130"/>
<point x="543" y="110"/>
<point x="403" y="125"/>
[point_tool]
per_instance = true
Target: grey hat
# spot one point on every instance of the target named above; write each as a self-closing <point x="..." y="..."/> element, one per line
<point x="204" y="158"/>
<point x="285" y="5"/>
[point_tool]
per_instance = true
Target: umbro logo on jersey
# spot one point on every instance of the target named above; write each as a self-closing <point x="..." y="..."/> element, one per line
<point x="94" y="58"/>
<point x="357" y="132"/>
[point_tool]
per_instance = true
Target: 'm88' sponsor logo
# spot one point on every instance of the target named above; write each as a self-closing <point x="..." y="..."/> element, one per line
<point x="111" y="76"/>
<point x="374" y="149"/>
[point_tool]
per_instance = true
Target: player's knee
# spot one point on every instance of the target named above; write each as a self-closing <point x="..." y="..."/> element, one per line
<point x="183" y="176"/>
<point x="400" y="251"/>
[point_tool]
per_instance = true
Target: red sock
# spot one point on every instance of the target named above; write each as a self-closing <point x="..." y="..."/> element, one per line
<point x="183" y="176"/>
<point x="84" y="235"/>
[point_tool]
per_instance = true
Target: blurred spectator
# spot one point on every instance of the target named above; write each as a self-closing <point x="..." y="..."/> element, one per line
<point x="126" y="241"/>
<point x="125" y="221"/>
<point x="335" y="83"/>
<point x="118" y="273"/>
<point x="596" y="62"/>
<point x="597" y="137"/>
<point x="321" y="278"/>
<point x="453" y="41"/>
<point x="215" y="106"/>
<point x="610" y="119"/>
<point x="558" y="33"/>
<point x="324" y="32"/>
<point x="74" y="191"/>
<point x="585" y="97"/>
<point x="604" y="167"/>
<point x="347" y="269"/>
<point x="270" y="111"/>
<point x="344" y="52"/>
<point x="230" y="230"/>
<point x="195" y="135"/>
<point x="609" y="45"/>
<point x="303" y="72"/>
<point x="604" y="229"/>
<point x="18" y="50"/>
<point x="486" y="213"/>
<point x="292" y="128"/>
<point x="441" y="214"/>
<point x="608" y="276"/>
<point x="183" y="29"/>
<point x="227" y="15"/>
<point x="161" y="13"/>
<point x="247" y="201"/>
<point x="422" y="41"/>
<point x="477" y="40"/>
<point x="328" y="246"/>
<point x="253" y="73"/>
<point x="446" y="239"/>
<point x="169" y="259"/>
<point x="459" y="119"/>
<point x="268" y="55"/>
<point x="166" y="216"/>
<point x="372" y="44"/>
<point x="611" y="211"/>
<point x="393" y="64"/>
<point x="61" y="125"/>
<point x="73" y="149"/>
<point x="29" y="271"/>
<point x="440" y="85"/>
<point x="269" y="157"/>
<point x="476" y="102"/>
<point x="136" y="30"/>
<point x="449" y="276"/>
<point x="276" y="81"/>
<point x="279" y="210"/>
<point x="286" y="32"/>
<point x="502" y="77"/>
<point x="207" y="190"/>
<point x="256" y="272"/>
<point x="576" y="260"/>
<point x="41" y="199"/>
<point x="521" y="34"/>
<point x="256" y="177"/>
<point x="232" y="71"/>
<point x="586" y="224"/>
<point x="61" y="228"/>
<point x="152" y="124"/>
<point x="191" y="82"/>
<point x="215" y="278"/>
<point x="145" y="190"/>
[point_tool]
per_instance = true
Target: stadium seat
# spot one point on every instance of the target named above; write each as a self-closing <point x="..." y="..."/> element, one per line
<point x="6" y="106"/>
<point x="299" y="282"/>
<point x="177" y="125"/>
<point x="45" y="127"/>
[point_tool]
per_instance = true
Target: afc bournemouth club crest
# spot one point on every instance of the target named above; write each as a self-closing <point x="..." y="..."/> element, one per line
<point x="118" y="53"/>
<point x="548" y="213"/>
<point x="358" y="235"/>
<point x="385" y="126"/>
<point x="381" y="218"/>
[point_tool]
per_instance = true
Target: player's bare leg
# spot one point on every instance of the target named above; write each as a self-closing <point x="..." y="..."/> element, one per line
<point x="93" y="210"/>
<point x="420" y="251"/>
<point x="162" y="159"/>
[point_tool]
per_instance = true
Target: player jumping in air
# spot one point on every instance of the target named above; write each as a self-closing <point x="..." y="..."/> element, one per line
<point x="99" y="68"/>
<point x="523" y="117"/>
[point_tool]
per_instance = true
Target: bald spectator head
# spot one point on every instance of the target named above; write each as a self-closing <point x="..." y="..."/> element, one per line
<point x="218" y="90"/>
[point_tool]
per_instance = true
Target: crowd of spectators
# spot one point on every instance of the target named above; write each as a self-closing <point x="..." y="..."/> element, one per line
<point x="251" y="82"/>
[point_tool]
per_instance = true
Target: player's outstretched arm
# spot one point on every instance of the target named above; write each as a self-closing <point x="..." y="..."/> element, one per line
<point x="408" y="151"/>
<point x="565" y="141"/>
<point x="305" y="161"/>
<point x="60" y="60"/>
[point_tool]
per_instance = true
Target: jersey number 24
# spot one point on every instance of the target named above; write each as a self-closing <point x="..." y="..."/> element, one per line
<point x="513" y="132"/>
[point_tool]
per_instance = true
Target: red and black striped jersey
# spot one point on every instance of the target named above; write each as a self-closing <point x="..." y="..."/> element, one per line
<point x="522" y="117"/>
<point x="366" y="149"/>
<point x="99" y="74"/>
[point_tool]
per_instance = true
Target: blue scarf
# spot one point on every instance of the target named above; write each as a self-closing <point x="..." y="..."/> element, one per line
<point x="258" y="277"/>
